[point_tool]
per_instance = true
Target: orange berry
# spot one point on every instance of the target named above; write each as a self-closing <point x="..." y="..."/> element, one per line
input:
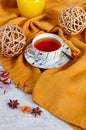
<point x="76" y="54"/>
<point x="25" y="109"/>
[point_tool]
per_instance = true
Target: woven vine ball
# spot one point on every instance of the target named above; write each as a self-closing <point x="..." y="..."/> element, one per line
<point x="73" y="20"/>
<point x="85" y="35"/>
<point x="12" y="40"/>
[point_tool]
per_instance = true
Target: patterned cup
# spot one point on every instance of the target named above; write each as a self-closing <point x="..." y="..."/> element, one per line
<point x="47" y="46"/>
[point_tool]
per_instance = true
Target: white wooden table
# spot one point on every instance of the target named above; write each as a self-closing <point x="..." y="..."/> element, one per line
<point x="15" y="119"/>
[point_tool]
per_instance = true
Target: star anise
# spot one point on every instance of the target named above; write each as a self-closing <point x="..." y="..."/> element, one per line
<point x="36" y="111"/>
<point x="13" y="103"/>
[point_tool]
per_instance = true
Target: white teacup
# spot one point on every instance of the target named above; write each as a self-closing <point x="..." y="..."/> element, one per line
<point x="47" y="46"/>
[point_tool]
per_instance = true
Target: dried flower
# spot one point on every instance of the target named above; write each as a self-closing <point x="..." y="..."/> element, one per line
<point x="13" y="103"/>
<point x="4" y="77"/>
<point x="25" y="109"/>
<point x="36" y="111"/>
<point x="1" y="87"/>
<point x="5" y="91"/>
<point x="4" y="73"/>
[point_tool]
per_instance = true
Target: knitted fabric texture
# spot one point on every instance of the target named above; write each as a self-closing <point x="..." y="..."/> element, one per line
<point x="61" y="91"/>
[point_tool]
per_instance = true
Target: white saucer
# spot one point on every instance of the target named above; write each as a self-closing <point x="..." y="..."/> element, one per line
<point x="30" y="57"/>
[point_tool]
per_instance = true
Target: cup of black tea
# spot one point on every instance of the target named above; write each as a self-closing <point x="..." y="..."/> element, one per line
<point x="47" y="46"/>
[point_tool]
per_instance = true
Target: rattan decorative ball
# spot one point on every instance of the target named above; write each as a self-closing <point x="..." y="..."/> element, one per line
<point x="12" y="40"/>
<point x="85" y="35"/>
<point x="73" y="20"/>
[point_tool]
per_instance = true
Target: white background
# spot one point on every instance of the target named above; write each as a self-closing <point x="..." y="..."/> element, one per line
<point x="15" y="119"/>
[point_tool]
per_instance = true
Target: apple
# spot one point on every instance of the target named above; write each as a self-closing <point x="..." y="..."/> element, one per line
<point x="30" y="8"/>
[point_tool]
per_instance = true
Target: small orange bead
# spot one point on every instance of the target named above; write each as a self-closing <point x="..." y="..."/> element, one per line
<point x="25" y="109"/>
<point x="76" y="54"/>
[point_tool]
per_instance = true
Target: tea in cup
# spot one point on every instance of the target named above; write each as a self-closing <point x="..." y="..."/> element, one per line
<point x="47" y="46"/>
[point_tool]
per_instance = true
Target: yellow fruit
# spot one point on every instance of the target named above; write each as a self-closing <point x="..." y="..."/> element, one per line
<point x="30" y="8"/>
